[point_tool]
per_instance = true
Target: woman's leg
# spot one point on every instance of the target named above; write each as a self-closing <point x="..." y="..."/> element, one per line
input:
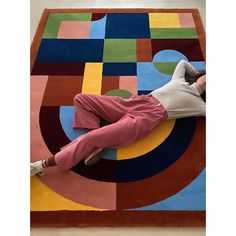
<point x="115" y="135"/>
<point x="142" y="117"/>
<point x="90" y="108"/>
<point x="119" y="134"/>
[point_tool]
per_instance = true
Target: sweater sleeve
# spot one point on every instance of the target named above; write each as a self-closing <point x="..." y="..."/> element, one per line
<point x="182" y="68"/>
<point x="203" y="109"/>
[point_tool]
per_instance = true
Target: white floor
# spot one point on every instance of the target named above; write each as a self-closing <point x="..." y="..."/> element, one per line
<point x="37" y="7"/>
<point x="118" y="231"/>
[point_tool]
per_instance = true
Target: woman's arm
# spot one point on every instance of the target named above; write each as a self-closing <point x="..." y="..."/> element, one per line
<point x="182" y="68"/>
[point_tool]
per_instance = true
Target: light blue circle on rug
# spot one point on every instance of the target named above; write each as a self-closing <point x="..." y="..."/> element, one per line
<point x="149" y="78"/>
<point x="169" y="56"/>
<point x="66" y="118"/>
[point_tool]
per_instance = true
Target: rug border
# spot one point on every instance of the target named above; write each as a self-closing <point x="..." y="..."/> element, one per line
<point x="120" y="218"/>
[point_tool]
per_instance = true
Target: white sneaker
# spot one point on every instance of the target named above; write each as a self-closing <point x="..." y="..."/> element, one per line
<point x="36" y="168"/>
<point x="94" y="157"/>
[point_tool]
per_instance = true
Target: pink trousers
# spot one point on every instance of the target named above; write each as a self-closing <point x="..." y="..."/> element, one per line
<point x="131" y="119"/>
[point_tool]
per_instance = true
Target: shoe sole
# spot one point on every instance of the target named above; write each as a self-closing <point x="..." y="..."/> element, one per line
<point x="40" y="173"/>
<point x="94" y="157"/>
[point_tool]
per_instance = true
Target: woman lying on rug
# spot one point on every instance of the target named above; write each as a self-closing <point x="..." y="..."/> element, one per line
<point x="131" y="119"/>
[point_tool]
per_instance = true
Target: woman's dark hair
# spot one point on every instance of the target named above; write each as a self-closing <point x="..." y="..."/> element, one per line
<point x="194" y="79"/>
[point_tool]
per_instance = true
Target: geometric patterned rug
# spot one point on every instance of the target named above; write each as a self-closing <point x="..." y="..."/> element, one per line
<point x="157" y="181"/>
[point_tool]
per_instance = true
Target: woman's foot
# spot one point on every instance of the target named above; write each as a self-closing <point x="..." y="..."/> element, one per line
<point x="94" y="157"/>
<point x="37" y="167"/>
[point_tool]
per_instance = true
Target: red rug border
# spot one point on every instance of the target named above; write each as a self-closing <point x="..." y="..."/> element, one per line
<point x="118" y="219"/>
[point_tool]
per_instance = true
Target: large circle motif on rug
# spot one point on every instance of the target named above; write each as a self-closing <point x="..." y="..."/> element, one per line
<point x="143" y="180"/>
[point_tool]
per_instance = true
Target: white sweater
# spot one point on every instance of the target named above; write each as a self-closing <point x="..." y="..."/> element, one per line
<point x="179" y="98"/>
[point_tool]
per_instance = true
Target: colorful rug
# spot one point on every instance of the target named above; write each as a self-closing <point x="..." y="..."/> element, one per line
<point x="158" y="181"/>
